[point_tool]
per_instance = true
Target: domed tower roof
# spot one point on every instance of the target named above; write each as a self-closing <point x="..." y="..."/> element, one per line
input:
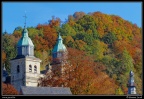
<point x="25" y="40"/>
<point x="25" y="46"/>
<point x="59" y="45"/>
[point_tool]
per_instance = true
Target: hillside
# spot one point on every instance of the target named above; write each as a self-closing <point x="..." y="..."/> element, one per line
<point x="114" y="43"/>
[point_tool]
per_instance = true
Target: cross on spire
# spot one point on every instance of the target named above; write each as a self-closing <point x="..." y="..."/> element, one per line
<point x="25" y="19"/>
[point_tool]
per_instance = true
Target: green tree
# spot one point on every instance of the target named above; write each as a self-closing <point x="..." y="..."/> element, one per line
<point x="126" y="61"/>
<point x="9" y="46"/>
<point x="69" y="41"/>
<point x="125" y="65"/>
<point x="67" y="30"/>
<point x="87" y="22"/>
<point x="109" y="38"/>
<point x="98" y="49"/>
<point x="119" y="91"/>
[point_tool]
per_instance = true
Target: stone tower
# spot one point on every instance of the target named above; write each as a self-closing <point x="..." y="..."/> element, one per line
<point x="131" y="84"/>
<point x="25" y="67"/>
<point x="59" y="55"/>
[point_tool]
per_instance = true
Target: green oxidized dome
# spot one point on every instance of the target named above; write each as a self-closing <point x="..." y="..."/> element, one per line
<point x="25" y="40"/>
<point x="59" y="45"/>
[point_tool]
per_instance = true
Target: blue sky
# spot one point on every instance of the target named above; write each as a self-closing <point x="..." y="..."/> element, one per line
<point x="41" y="12"/>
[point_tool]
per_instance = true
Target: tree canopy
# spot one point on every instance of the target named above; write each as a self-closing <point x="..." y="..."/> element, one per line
<point x="112" y="42"/>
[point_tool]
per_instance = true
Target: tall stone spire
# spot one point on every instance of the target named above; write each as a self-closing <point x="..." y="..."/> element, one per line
<point x="131" y="83"/>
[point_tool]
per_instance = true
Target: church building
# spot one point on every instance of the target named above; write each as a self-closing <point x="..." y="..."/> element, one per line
<point x="25" y="67"/>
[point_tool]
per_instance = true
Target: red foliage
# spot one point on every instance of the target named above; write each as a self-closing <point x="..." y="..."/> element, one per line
<point x="82" y="75"/>
<point x="8" y="89"/>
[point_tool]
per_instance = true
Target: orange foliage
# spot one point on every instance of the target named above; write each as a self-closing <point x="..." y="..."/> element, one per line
<point x="79" y="74"/>
<point x="50" y="35"/>
<point x="8" y="89"/>
<point x="41" y="44"/>
<point x="39" y="26"/>
<point x="71" y="23"/>
<point x="120" y="45"/>
<point x="80" y="44"/>
<point x="54" y="22"/>
<point x="3" y="56"/>
<point x="17" y="34"/>
<point x="104" y="85"/>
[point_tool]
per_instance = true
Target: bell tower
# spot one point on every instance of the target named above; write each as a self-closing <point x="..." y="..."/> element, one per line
<point x="25" y="67"/>
<point x="59" y="56"/>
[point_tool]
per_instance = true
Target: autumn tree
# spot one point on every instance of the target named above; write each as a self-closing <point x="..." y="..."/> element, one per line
<point x="8" y="89"/>
<point x="78" y="15"/>
<point x="3" y="56"/>
<point x="100" y="35"/>
<point x="69" y="41"/>
<point x="80" y="75"/>
<point x="54" y="22"/>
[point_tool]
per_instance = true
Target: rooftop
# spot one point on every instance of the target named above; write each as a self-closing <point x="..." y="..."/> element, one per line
<point x="26" y="90"/>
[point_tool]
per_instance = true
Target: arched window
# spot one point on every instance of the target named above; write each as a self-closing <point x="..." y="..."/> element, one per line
<point x="35" y="68"/>
<point x="30" y="68"/>
<point x="18" y="69"/>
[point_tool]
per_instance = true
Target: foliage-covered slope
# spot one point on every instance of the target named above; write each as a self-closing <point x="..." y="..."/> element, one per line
<point x="110" y="40"/>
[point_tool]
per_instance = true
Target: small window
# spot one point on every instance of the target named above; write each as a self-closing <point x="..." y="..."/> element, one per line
<point x="30" y="68"/>
<point x="23" y="82"/>
<point x="35" y="68"/>
<point x="18" y="69"/>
